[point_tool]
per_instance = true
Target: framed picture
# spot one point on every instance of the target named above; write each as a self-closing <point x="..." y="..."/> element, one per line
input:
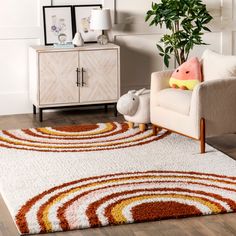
<point x="58" y="24"/>
<point x="82" y="15"/>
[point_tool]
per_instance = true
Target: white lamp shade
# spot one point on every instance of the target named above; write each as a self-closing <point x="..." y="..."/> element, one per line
<point x="100" y="19"/>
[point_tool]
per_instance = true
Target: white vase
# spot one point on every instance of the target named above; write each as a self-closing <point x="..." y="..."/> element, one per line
<point x="78" y="40"/>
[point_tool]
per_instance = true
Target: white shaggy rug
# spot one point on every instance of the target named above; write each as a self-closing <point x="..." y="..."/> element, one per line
<point x="59" y="179"/>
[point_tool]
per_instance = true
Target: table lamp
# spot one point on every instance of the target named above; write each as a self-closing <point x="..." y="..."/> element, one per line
<point x="101" y="20"/>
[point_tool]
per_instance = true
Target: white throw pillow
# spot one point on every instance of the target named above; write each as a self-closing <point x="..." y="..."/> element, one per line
<point x="217" y="66"/>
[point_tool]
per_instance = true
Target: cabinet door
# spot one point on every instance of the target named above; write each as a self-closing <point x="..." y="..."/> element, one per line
<point x="58" y="78"/>
<point x="100" y="76"/>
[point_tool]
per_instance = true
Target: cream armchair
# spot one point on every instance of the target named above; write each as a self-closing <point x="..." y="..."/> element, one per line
<point x="208" y="110"/>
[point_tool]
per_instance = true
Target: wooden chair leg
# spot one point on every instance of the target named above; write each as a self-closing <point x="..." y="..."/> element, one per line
<point x="131" y="125"/>
<point x="203" y="135"/>
<point x="154" y="129"/>
<point x="142" y="127"/>
<point x="159" y="129"/>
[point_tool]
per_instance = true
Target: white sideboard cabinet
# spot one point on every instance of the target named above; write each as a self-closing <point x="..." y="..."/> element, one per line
<point x="79" y="76"/>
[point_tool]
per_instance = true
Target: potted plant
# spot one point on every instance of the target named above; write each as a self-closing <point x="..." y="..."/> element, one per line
<point x="186" y="20"/>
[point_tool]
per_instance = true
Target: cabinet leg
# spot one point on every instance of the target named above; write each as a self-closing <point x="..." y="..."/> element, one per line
<point x="34" y="110"/>
<point x="203" y="136"/>
<point x="40" y="114"/>
<point x="106" y="108"/>
<point x="115" y="110"/>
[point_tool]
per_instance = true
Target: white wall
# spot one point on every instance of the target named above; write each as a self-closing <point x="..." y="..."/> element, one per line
<point x="20" y="26"/>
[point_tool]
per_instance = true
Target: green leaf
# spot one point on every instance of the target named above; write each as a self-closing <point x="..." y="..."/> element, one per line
<point x="207" y="29"/>
<point x="207" y="20"/>
<point x="160" y="48"/>
<point x="167" y="49"/>
<point x="152" y="22"/>
<point x="148" y="17"/>
<point x="166" y="60"/>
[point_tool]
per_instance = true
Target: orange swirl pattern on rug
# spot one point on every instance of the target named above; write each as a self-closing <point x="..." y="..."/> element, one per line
<point x="122" y="198"/>
<point x="80" y="138"/>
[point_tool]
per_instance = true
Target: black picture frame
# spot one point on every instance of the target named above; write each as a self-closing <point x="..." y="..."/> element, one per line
<point x="50" y="36"/>
<point x="88" y="37"/>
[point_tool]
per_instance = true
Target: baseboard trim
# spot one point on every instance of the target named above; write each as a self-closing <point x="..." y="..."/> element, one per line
<point x="15" y="103"/>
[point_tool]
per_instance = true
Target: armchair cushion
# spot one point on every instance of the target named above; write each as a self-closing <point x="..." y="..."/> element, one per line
<point x="217" y="66"/>
<point x="175" y="99"/>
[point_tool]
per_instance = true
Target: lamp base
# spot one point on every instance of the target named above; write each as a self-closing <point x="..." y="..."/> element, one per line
<point x="102" y="39"/>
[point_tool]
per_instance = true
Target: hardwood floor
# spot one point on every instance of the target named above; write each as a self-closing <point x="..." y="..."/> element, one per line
<point x="220" y="225"/>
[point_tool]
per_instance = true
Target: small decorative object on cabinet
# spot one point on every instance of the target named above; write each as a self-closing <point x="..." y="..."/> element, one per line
<point x="74" y="77"/>
<point x="58" y="24"/>
<point x="101" y="20"/>
<point x="78" y="40"/>
<point x="82" y="18"/>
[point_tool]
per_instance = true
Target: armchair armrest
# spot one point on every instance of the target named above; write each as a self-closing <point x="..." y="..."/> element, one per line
<point x="216" y="102"/>
<point x="160" y="80"/>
